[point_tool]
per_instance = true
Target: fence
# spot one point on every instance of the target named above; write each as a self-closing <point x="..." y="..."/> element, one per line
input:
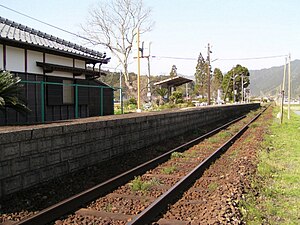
<point x="37" y="99"/>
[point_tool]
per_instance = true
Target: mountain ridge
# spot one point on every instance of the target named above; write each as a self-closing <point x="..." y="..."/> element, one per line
<point x="267" y="81"/>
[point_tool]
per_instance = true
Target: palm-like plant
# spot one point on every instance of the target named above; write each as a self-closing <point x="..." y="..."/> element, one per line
<point x="9" y="88"/>
<point x="162" y="92"/>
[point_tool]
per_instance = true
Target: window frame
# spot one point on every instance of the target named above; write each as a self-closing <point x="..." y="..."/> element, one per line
<point x="68" y="92"/>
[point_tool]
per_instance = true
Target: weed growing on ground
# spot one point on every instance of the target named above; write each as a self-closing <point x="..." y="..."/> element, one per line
<point x="192" y="153"/>
<point x="175" y="155"/>
<point x="213" y="140"/>
<point x="212" y="186"/>
<point x="225" y="134"/>
<point x="169" y="170"/>
<point x="278" y="176"/>
<point x="253" y="125"/>
<point x="235" y="130"/>
<point x="233" y="154"/>
<point x="139" y="185"/>
<point x="251" y="114"/>
<point x="251" y="214"/>
<point x="108" y="207"/>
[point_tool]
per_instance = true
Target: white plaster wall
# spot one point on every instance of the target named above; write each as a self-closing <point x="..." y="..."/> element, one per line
<point x="1" y="57"/>
<point x="59" y="60"/>
<point x="79" y="63"/>
<point x="15" y="59"/>
<point x="60" y="74"/>
<point x="32" y="58"/>
<point x="82" y="77"/>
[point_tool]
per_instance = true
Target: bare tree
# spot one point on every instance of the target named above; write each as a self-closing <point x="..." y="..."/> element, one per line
<point x="114" y="24"/>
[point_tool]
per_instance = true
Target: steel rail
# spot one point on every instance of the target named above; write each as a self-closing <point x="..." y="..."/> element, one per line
<point x="71" y="204"/>
<point x="161" y="203"/>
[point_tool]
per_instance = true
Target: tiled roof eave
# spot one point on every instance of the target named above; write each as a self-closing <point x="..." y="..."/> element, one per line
<point x="55" y="51"/>
<point x="26" y="36"/>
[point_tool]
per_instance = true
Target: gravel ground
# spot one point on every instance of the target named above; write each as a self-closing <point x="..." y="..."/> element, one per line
<point x="215" y="197"/>
<point x="28" y="202"/>
<point x="129" y="202"/>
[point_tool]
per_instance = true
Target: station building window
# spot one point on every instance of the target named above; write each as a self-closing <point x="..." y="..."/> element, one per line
<point x="68" y="92"/>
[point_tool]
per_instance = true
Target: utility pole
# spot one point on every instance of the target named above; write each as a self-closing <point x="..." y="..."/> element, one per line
<point x="242" y="88"/>
<point x="186" y="91"/>
<point x="139" y="71"/>
<point x="233" y="87"/>
<point x="289" y="88"/>
<point x="148" y="77"/>
<point x="282" y="91"/>
<point x="208" y="74"/>
<point x="121" y="94"/>
<point x="148" y="84"/>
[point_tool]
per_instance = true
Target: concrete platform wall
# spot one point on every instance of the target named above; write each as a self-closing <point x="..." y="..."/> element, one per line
<point x="36" y="154"/>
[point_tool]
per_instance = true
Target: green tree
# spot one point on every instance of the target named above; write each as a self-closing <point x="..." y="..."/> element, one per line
<point x="176" y="97"/>
<point x="9" y="93"/>
<point x="173" y="72"/>
<point x="233" y="81"/>
<point x="216" y="81"/>
<point x="162" y="92"/>
<point x="201" y="77"/>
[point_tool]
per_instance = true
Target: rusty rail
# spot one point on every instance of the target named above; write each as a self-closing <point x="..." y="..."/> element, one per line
<point x="165" y="199"/>
<point x="73" y="203"/>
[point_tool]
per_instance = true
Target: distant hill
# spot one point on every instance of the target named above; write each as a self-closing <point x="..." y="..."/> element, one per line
<point x="267" y="81"/>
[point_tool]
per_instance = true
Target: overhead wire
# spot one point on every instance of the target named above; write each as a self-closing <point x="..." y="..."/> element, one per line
<point x="48" y="24"/>
<point x="171" y="57"/>
<point x="223" y="59"/>
<point x="254" y="58"/>
<point x="162" y="57"/>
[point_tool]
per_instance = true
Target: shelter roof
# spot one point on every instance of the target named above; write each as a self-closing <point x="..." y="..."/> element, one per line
<point x="173" y="81"/>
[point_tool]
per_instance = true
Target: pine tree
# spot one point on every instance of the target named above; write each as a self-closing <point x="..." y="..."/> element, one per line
<point x="216" y="81"/>
<point x="201" y="77"/>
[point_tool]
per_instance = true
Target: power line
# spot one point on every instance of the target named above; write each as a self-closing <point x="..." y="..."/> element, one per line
<point x="222" y="59"/>
<point x="48" y="24"/>
<point x="171" y="57"/>
<point x="163" y="57"/>
<point x="253" y="58"/>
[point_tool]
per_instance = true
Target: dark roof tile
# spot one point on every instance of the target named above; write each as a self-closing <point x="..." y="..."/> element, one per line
<point x="14" y="31"/>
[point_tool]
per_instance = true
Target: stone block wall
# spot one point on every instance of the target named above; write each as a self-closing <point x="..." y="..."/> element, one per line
<point x="34" y="154"/>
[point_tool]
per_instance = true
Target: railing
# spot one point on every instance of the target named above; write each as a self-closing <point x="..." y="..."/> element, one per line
<point x="43" y="84"/>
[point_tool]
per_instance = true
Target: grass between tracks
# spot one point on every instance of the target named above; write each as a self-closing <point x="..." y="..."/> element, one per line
<point x="276" y="199"/>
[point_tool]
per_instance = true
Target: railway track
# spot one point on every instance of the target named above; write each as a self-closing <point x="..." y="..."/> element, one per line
<point x="145" y="191"/>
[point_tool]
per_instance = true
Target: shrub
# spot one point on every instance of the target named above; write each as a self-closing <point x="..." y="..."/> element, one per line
<point x="10" y="88"/>
<point x="176" y="97"/>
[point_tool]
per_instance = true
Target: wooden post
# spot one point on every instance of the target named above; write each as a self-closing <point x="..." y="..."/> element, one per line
<point x="139" y="72"/>
<point x="282" y="92"/>
<point x="289" y="88"/>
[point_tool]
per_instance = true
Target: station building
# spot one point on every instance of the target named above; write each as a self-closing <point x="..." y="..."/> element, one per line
<point x="60" y="78"/>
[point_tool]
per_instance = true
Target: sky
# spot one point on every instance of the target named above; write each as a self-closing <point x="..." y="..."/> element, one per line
<point x="236" y="29"/>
